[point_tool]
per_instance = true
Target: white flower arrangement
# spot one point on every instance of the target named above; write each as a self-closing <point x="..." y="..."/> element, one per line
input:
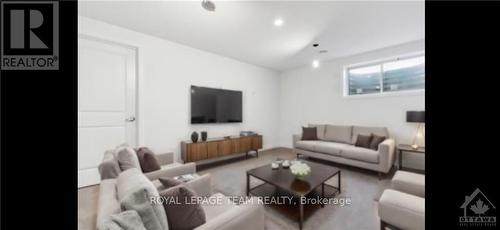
<point x="300" y="169"/>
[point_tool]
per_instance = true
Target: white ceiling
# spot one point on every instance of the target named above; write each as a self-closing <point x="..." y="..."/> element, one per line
<point x="245" y="30"/>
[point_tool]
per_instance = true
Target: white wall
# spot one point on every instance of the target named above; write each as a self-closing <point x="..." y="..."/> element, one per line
<point x="274" y="104"/>
<point x="166" y="71"/>
<point x="316" y="96"/>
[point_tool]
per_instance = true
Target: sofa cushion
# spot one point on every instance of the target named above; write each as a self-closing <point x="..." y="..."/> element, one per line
<point x="129" y="181"/>
<point x="125" y="220"/>
<point x="331" y="148"/>
<point x="363" y="141"/>
<point x="214" y="209"/>
<point x="109" y="167"/>
<point x="376" y="140"/>
<point x="134" y="191"/>
<point x="184" y="214"/>
<point x="306" y="145"/>
<point x="361" y="154"/>
<point x="119" y="147"/>
<point x="140" y="201"/>
<point x="320" y="131"/>
<point x="338" y="133"/>
<point x="367" y="130"/>
<point x="309" y="134"/>
<point x="147" y="160"/>
<point x="108" y="224"/>
<point x="127" y="158"/>
<point x="173" y="165"/>
<point x="108" y="203"/>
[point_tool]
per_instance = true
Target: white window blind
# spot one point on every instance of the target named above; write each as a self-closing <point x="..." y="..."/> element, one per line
<point x="400" y="74"/>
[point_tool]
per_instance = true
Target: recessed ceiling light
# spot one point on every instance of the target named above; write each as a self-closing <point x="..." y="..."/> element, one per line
<point x="278" y="22"/>
<point x="315" y="64"/>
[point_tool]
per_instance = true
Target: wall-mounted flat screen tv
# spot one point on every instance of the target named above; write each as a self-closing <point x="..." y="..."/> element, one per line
<point x="210" y="105"/>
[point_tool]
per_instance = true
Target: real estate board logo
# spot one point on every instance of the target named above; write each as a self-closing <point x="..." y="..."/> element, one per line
<point x="29" y="35"/>
<point x="478" y="211"/>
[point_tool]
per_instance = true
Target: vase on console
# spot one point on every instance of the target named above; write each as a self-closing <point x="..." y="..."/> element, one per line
<point x="194" y="137"/>
<point x="204" y="135"/>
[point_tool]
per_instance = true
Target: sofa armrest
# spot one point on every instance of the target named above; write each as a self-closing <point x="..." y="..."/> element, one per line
<point x="201" y="185"/>
<point x="165" y="158"/>
<point x="171" y="171"/>
<point x="246" y="216"/>
<point x="296" y="137"/>
<point x="386" y="154"/>
<point x="107" y="201"/>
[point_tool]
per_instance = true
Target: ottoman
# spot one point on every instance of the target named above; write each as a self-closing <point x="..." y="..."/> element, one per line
<point x="401" y="210"/>
<point x="408" y="182"/>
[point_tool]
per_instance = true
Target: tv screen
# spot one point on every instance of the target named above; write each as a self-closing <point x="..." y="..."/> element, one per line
<point x="209" y="105"/>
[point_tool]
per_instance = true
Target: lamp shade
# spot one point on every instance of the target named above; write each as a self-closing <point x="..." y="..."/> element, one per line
<point x="415" y="116"/>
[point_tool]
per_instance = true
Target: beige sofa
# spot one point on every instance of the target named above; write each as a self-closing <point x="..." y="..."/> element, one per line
<point x="336" y="143"/>
<point x="225" y="215"/>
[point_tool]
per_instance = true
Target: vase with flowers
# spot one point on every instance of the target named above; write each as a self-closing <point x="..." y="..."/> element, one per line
<point x="300" y="170"/>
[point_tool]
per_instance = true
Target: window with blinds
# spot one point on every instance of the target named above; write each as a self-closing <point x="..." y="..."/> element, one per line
<point x="400" y="74"/>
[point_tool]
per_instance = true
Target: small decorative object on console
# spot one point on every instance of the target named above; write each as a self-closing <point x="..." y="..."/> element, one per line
<point x="204" y="135"/>
<point x="286" y="164"/>
<point x="300" y="170"/>
<point x="186" y="177"/>
<point x="247" y="133"/>
<point x="194" y="137"/>
<point x="274" y="165"/>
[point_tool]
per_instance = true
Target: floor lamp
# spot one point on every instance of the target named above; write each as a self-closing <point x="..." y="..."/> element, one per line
<point x="416" y="117"/>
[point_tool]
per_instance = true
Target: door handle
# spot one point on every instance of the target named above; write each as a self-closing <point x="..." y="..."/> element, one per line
<point x="130" y="119"/>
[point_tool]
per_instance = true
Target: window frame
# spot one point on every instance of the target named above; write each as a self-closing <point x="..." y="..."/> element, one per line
<point x="380" y="62"/>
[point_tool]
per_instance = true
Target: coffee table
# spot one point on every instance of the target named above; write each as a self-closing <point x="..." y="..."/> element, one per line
<point x="283" y="180"/>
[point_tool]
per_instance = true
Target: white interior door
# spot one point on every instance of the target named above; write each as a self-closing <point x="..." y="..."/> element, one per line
<point x="106" y="103"/>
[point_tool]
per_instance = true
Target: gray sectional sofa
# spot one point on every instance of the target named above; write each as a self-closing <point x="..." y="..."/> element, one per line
<point x="117" y="194"/>
<point x="336" y="143"/>
<point x="224" y="215"/>
<point x="109" y="167"/>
